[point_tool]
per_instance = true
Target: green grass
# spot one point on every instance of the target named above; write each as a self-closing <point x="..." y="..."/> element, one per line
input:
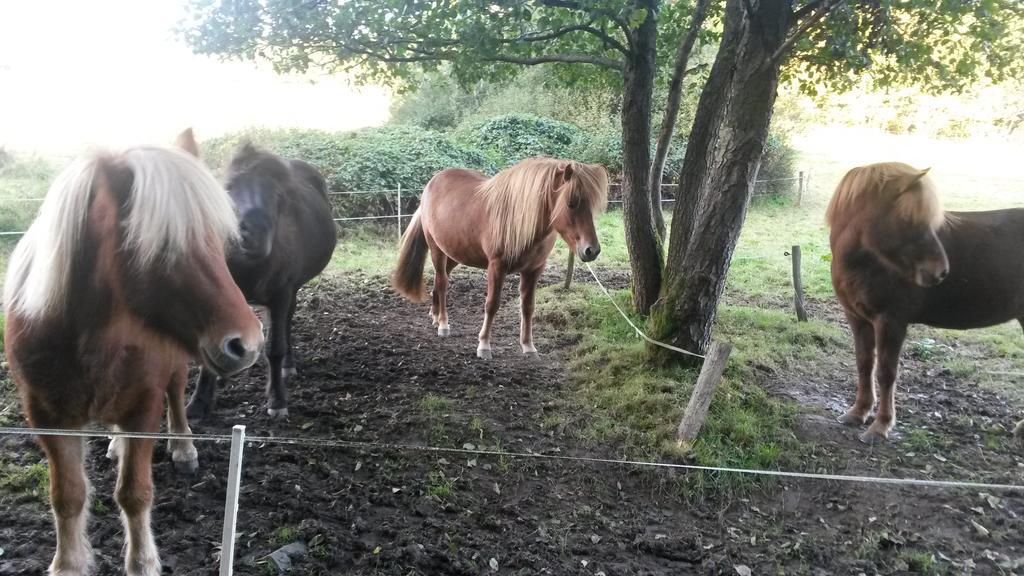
<point x="16" y="479"/>
<point x="284" y="535"/>
<point x="635" y="405"/>
<point x="434" y="404"/>
<point x="439" y="486"/>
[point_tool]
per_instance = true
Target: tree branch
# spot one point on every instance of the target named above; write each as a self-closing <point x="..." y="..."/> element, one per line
<point x="588" y="28"/>
<point x="826" y="6"/>
<point x="668" y="122"/>
<point x="568" y="58"/>
<point x="808" y="8"/>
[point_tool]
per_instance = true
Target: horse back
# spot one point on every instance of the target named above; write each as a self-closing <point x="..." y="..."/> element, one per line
<point x="985" y="285"/>
<point x="306" y="172"/>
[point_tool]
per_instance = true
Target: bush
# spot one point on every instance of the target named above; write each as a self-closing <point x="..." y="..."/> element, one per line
<point x="369" y="159"/>
<point x="778" y="167"/>
<point x="510" y="138"/>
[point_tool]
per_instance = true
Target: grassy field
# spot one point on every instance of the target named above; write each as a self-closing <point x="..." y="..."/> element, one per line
<point x="634" y="402"/>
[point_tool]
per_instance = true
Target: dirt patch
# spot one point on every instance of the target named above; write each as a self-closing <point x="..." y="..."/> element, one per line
<point x="372" y="369"/>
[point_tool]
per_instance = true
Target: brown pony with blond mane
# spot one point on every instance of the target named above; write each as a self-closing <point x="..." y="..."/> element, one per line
<point x="119" y="281"/>
<point x="900" y="259"/>
<point x="506" y="224"/>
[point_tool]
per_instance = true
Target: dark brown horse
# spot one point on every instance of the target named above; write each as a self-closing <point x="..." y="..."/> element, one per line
<point x="287" y="238"/>
<point x="120" y="281"/>
<point x="505" y="224"/>
<point x="899" y="259"/>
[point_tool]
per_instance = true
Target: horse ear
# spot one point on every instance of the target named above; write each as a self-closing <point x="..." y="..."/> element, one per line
<point x="567" y="171"/>
<point x="916" y="179"/>
<point x="187" y="142"/>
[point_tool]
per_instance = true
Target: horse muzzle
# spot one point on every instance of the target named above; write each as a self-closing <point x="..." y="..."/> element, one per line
<point x="588" y="252"/>
<point x="231" y="354"/>
<point x="927" y="278"/>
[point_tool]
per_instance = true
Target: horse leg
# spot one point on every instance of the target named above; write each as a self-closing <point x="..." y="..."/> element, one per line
<point x="438" y="310"/>
<point x="204" y="397"/>
<point x="288" y="370"/>
<point x="864" y="344"/>
<point x="495" y="279"/>
<point x="277" y="401"/>
<point x="1018" y="431"/>
<point x="69" y="493"/>
<point x="889" y="338"/>
<point x="527" y="288"/>
<point x="183" y="452"/>
<point x="134" y="495"/>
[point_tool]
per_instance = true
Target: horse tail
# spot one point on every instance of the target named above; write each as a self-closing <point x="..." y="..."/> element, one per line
<point x="407" y="279"/>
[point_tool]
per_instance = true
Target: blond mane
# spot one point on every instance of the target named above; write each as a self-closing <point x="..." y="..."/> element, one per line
<point x="909" y="189"/>
<point x="175" y="204"/>
<point x="517" y="199"/>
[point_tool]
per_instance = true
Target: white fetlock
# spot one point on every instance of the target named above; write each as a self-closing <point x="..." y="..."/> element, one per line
<point x="185" y="457"/>
<point x="277" y="413"/>
<point x="115" y="448"/>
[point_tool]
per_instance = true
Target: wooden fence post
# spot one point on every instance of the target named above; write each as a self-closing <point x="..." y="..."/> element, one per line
<point x="569" y="268"/>
<point x="798" y="287"/>
<point x="399" y="212"/>
<point x="703" y="391"/>
<point x="800" y="190"/>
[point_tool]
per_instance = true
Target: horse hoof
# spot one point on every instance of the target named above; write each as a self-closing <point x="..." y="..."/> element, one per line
<point x="444" y="331"/>
<point x="532" y="354"/>
<point x="289" y="372"/>
<point x="484" y="353"/>
<point x="870" y="437"/>
<point x="278" y="413"/>
<point x="851" y="419"/>
<point x="186" y="467"/>
<point x="1018" y="433"/>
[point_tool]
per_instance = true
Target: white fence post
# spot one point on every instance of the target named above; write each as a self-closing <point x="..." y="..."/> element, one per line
<point x="227" y="547"/>
<point x="399" y="211"/>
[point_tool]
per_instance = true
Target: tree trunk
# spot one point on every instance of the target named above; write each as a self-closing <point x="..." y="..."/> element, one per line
<point x="719" y="170"/>
<point x="668" y="121"/>
<point x="638" y="86"/>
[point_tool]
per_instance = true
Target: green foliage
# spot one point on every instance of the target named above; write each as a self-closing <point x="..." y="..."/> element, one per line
<point x="943" y="46"/>
<point x="513" y="137"/>
<point x="368" y="159"/>
<point x="778" y="166"/>
<point x="438" y="102"/>
<point x="393" y="41"/>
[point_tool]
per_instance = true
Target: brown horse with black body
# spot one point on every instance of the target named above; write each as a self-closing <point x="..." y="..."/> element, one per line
<point x="120" y="281"/>
<point x="898" y="258"/>
<point x="287" y="238"/>
<point x="505" y="224"/>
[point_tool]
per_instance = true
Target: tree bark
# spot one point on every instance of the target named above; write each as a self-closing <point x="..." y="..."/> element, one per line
<point x="719" y="170"/>
<point x="668" y="122"/>
<point x="645" y="249"/>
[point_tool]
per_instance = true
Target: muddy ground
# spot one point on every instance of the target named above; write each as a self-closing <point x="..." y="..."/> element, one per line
<point x="371" y="369"/>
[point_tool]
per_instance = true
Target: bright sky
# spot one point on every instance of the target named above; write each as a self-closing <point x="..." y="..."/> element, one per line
<point x="82" y="73"/>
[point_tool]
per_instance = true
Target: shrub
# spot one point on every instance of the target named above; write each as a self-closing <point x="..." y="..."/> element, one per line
<point x="510" y="138"/>
<point x="778" y="167"/>
<point x="369" y="159"/>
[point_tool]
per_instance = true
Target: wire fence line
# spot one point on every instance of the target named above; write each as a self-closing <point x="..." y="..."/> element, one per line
<point x="397" y="191"/>
<point x="400" y="447"/>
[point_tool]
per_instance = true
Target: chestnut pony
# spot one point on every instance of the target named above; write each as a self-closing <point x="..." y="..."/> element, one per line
<point x="119" y="281"/>
<point x="899" y="259"/>
<point x="287" y="238"/>
<point x="505" y="224"/>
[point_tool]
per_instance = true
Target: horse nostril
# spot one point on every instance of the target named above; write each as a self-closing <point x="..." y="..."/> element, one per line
<point x="234" y="348"/>
<point x="591" y="252"/>
<point x="943" y="274"/>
